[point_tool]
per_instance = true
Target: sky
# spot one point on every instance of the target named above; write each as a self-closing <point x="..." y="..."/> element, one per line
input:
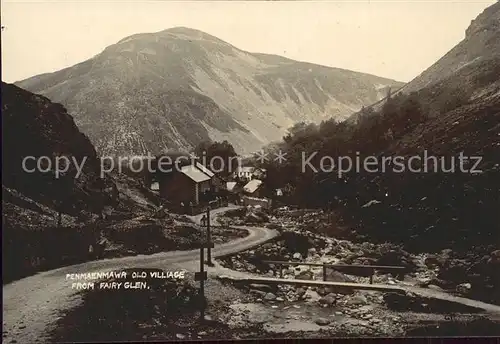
<point x="393" y="39"/>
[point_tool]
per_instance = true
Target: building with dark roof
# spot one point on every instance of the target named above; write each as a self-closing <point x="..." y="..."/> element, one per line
<point x="187" y="184"/>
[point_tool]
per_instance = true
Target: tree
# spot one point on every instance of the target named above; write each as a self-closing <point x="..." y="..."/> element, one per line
<point x="217" y="156"/>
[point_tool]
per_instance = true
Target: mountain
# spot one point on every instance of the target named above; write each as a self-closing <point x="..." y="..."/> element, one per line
<point x="480" y="45"/>
<point x="173" y="89"/>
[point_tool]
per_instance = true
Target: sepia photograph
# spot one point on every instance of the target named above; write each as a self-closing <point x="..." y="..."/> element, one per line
<point x="234" y="170"/>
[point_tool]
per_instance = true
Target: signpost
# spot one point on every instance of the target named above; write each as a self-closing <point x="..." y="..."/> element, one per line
<point x="202" y="274"/>
<point x="202" y="277"/>
<point x="209" y="240"/>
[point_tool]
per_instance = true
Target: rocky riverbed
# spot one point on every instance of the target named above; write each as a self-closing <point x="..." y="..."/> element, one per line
<point x="289" y="308"/>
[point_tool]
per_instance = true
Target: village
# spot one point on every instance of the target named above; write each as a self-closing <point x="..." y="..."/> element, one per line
<point x="191" y="187"/>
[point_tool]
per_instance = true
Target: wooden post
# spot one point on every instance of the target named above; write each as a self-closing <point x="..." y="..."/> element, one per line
<point x="202" y="277"/>
<point x="281" y="270"/>
<point x="324" y="272"/>
<point x="371" y="276"/>
<point x="209" y="240"/>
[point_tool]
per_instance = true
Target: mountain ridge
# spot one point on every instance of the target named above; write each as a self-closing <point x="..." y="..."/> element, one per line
<point x="481" y="43"/>
<point x="249" y="99"/>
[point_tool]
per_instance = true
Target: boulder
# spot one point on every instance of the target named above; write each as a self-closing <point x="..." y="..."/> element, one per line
<point x="258" y="293"/>
<point x="297" y="256"/>
<point x="336" y="276"/>
<point x="329" y="300"/>
<point x="322" y="321"/>
<point x="431" y="261"/>
<point x="464" y="288"/>
<point x="357" y="300"/>
<point x="270" y="297"/>
<point x="262" y="287"/>
<point x="301" y="292"/>
<point x="305" y="275"/>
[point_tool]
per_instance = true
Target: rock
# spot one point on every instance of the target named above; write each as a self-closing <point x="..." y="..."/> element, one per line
<point x="357" y="300"/>
<point x="180" y="336"/>
<point x="336" y="276"/>
<point x="464" y="288"/>
<point x="434" y="287"/>
<point x="322" y="321"/>
<point x="300" y="292"/>
<point x="270" y="297"/>
<point x="202" y="333"/>
<point x="323" y="291"/>
<point x="297" y="256"/>
<point x="258" y="293"/>
<point x="280" y="299"/>
<point x="262" y="287"/>
<point x="329" y="300"/>
<point x="431" y="261"/>
<point x="305" y="275"/>
<point x="423" y="282"/>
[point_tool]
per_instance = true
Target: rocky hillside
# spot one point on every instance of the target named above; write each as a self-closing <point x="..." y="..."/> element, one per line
<point x="41" y="208"/>
<point x="480" y="44"/>
<point x="175" y="88"/>
<point x="36" y="127"/>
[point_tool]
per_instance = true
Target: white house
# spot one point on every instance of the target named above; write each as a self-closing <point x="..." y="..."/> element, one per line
<point x="245" y="172"/>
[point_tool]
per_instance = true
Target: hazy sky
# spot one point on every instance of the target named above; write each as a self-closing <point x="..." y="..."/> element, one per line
<point x="395" y="39"/>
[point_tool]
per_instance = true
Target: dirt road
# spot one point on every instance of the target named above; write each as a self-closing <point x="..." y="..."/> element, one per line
<point x="32" y="305"/>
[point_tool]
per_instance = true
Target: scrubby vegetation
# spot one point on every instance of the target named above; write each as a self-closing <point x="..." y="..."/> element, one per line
<point x="427" y="210"/>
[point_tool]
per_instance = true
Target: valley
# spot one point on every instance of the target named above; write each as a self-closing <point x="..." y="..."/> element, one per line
<point x="105" y="251"/>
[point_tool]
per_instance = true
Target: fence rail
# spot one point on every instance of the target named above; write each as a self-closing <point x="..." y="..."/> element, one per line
<point x="370" y="268"/>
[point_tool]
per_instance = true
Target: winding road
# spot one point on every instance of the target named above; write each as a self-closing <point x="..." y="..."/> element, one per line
<point x="32" y="305"/>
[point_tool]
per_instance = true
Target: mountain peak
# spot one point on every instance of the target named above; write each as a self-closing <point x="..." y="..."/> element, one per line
<point x="191" y="34"/>
<point x="177" y="87"/>
<point x="184" y="30"/>
<point x="488" y="20"/>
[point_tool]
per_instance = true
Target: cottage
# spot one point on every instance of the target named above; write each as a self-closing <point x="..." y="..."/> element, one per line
<point x="216" y="183"/>
<point x="245" y="172"/>
<point x="253" y="188"/>
<point x="186" y="184"/>
<point x="204" y="169"/>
